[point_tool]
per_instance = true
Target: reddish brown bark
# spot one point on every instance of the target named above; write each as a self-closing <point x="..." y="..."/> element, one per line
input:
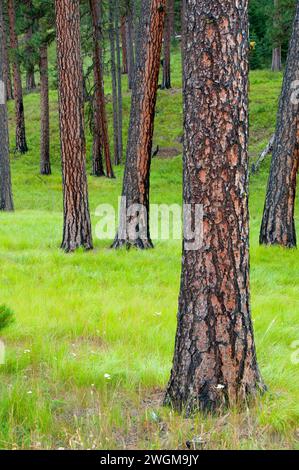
<point x="166" y="81"/>
<point x="6" y="66"/>
<point x="138" y="161"/>
<point x="6" y="199"/>
<point x="215" y="360"/>
<point x="124" y="45"/>
<point x="100" y="116"/>
<point x="45" y="165"/>
<point x="77" y="226"/>
<point x="278" y="225"/>
<point x="21" y="145"/>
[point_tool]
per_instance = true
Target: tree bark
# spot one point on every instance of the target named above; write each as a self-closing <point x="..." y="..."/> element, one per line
<point x="21" y="144"/>
<point x="30" y="75"/>
<point x="77" y="226"/>
<point x="278" y="226"/>
<point x="144" y="94"/>
<point x="215" y="360"/>
<point x="119" y="85"/>
<point x="6" y="200"/>
<point x="100" y="117"/>
<point x="123" y="30"/>
<point x="45" y="165"/>
<point x="6" y="66"/>
<point x="166" y="81"/>
<point x="276" y="52"/>
<point x="112" y="6"/>
<point x="130" y="45"/>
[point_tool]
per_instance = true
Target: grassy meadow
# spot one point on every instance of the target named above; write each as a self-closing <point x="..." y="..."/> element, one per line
<point x="89" y="353"/>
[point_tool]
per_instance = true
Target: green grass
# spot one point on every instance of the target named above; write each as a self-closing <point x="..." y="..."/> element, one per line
<point x="80" y="317"/>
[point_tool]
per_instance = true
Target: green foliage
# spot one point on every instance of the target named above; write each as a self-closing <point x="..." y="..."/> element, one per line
<point x="6" y="316"/>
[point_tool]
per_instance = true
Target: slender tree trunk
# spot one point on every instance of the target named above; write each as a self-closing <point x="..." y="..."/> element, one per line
<point x="123" y="30"/>
<point x="100" y="118"/>
<point x="215" y="360"/>
<point x="30" y="76"/>
<point x="171" y="17"/>
<point x="166" y="81"/>
<point x="77" y="226"/>
<point x="6" y="200"/>
<point x="278" y="226"/>
<point x="137" y="169"/>
<point x="21" y="145"/>
<point x="112" y="6"/>
<point x="45" y="165"/>
<point x="276" y="52"/>
<point x="130" y="45"/>
<point x="119" y="85"/>
<point x="6" y="67"/>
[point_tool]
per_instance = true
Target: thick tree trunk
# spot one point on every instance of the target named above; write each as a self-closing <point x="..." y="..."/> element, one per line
<point x="77" y="226"/>
<point x="119" y="85"/>
<point x="123" y="30"/>
<point x="166" y="81"/>
<point x="6" y="67"/>
<point x="100" y="117"/>
<point x="112" y="6"/>
<point x="137" y="169"/>
<point x="21" y="145"/>
<point x="215" y="361"/>
<point x="45" y="165"/>
<point x="278" y="226"/>
<point x="171" y="17"/>
<point x="130" y="45"/>
<point x="6" y="200"/>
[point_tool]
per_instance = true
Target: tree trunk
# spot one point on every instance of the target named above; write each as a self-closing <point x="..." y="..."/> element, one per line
<point x="276" y="52"/>
<point x="130" y="45"/>
<point x="6" y="66"/>
<point x="6" y="201"/>
<point x="123" y="30"/>
<point x="166" y="81"/>
<point x="215" y="361"/>
<point x="77" y="226"/>
<point x="171" y="17"/>
<point x="278" y="226"/>
<point x="112" y="6"/>
<point x="137" y="169"/>
<point x="21" y="145"/>
<point x="30" y="76"/>
<point x="100" y="117"/>
<point x="45" y="165"/>
<point x="119" y="85"/>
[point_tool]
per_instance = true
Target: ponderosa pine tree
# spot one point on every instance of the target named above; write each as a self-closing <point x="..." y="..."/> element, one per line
<point x="119" y="83"/>
<point x="276" y="52"/>
<point x="45" y="165"/>
<point x="123" y="30"/>
<point x="137" y="169"/>
<point x="278" y="226"/>
<point x="21" y="144"/>
<point x="215" y="360"/>
<point x="101" y="137"/>
<point x="112" y="40"/>
<point x="166" y="80"/>
<point x="130" y="43"/>
<point x="6" y="66"/>
<point x="6" y="200"/>
<point x="77" y="225"/>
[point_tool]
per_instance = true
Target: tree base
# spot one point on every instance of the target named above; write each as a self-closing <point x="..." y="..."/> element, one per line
<point x="69" y="246"/>
<point x="212" y="399"/>
<point x="141" y="244"/>
<point x="46" y="170"/>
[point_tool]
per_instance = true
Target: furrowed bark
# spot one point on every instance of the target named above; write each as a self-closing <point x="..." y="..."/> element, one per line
<point x="124" y="45"/>
<point x="166" y="81"/>
<point x="112" y="6"/>
<point x="45" y="165"/>
<point x="215" y="360"/>
<point x="119" y="85"/>
<point x="21" y="144"/>
<point x="6" y="66"/>
<point x="77" y="226"/>
<point x="278" y="226"/>
<point x="100" y="117"/>
<point x="6" y="199"/>
<point x="137" y="169"/>
<point x="130" y="45"/>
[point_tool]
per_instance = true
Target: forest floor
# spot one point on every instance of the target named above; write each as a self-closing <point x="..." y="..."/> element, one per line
<point x="89" y="354"/>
